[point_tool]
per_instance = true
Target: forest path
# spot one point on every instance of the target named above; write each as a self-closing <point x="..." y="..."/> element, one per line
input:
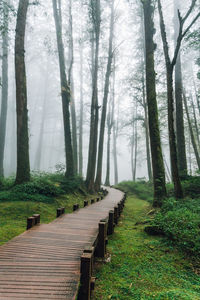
<point x="143" y="266"/>
<point x="44" y="262"/>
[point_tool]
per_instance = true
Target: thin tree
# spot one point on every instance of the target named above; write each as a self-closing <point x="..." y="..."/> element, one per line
<point x="105" y="101"/>
<point x="194" y="145"/>
<point x="65" y="91"/>
<point x="170" y="97"/>
<point x="80" y="164"/>
<point x="71" y="84"/>
<point x="92" y="153"/>
<point x="109" y="128"/>
<point x="23" y="164"/>
<point x="156" y="151"/>
<point x="115" y="126"/>
<point x="4" y="94"/>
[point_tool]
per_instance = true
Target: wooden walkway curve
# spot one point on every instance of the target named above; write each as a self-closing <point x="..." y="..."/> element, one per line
<point x="44" y="262"/>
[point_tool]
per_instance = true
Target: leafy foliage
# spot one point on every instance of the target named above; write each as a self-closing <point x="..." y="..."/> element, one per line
<point x="43" y="187"/>
<point x="180" y="222"/>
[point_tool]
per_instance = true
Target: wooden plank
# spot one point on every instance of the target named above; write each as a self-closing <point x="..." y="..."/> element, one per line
<point x="44" y="262"/>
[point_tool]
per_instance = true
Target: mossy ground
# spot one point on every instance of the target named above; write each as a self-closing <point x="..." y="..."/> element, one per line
<point x="142" y="266"/>
<point x="13" y="214"/>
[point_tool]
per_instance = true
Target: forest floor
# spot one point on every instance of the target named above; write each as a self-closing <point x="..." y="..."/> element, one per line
<point x="140" y="266"/>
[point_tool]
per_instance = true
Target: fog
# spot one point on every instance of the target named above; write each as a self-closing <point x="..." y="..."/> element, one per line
<point x="45" y="119"/>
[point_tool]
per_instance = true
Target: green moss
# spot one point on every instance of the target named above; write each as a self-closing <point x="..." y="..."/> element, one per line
<point x="142" y="266"/>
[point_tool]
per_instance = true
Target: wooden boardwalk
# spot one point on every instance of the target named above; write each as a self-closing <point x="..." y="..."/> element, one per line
<point x="44" y="262"/>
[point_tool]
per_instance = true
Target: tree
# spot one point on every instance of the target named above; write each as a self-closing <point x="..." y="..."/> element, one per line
<point x="105" y="101"/>
<point x="65" y="91"/>
<point x="4" y="94"/>
<point x="194" y="145"/>
<point x="71" y="84"/>
<point x="156" y="151"/>
<point x="181" y="152"/>
<point x="96" y="19"/>
<point x="23" y="164"/>
<point x="170" y="97"/>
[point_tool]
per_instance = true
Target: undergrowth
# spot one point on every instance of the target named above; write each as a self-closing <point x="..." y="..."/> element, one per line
<point x="178" y="220"/>
<point x="140" y="266"/>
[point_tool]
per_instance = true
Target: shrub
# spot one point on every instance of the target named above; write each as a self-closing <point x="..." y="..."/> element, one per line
<point x="180" y="222"/>
<point x="42" y="188"/>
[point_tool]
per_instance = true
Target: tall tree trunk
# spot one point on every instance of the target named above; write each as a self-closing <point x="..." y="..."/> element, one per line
<point x="156" y="151"/>
<point x="146" y="130"/>
<point x="180" y="136"/>
<point x="170" y="104"/>
<point x="132" y="152"/>
<point x="71" y="84"/>
<point x="109" y="126"/>
<point x="81" y="114"/>
<point x="65" y="92"/>
<point x="38" y="154"/>
<point x="23" y="164"/>
<point x="135" y="155"/>
<point x="172" y="136"/>
<point x="4" y="95"/>
<point x="194" y="145"/>
<point x="195" y="122"/>
<point x="94" y="105"/>
<point x="105" y="101"/>
<point x="115" y="134"/>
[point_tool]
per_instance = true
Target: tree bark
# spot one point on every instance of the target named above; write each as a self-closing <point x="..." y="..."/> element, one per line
<point x="94" y="105"/>
<point x="23" y="164"/>
<point x="156" y="151"/>
<point x="105" y="101"/>
<point x="170" y="104"/>
<point x="65" y="93"/>
<point x="195" y="122"/>
<point x="194" y="145"/>
<point x="109" y="126"/>
<point x="180" y="136"/>
<point x="4" y="94"/>
<point x="71" y="84"/>
<point x="81" y="115"/>
<point x="172" y="137"/>
<point x="38" y="155"/>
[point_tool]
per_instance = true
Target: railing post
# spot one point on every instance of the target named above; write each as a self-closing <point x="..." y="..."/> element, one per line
<point x="37" y="218"/>
<point x="59" y="212"/>
<point x="85" y="203"/>
<point x="101" y="244"/>
<point x="30" y="222"/>
<point x="75" y="207"/>
<point x="116" y="214"/>
<point x="111" y="222"/>
<point x="86" y="261"/>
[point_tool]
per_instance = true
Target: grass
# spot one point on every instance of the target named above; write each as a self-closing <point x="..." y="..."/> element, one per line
<point x="43" y="195"/>
<point x="143" y="266"/>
